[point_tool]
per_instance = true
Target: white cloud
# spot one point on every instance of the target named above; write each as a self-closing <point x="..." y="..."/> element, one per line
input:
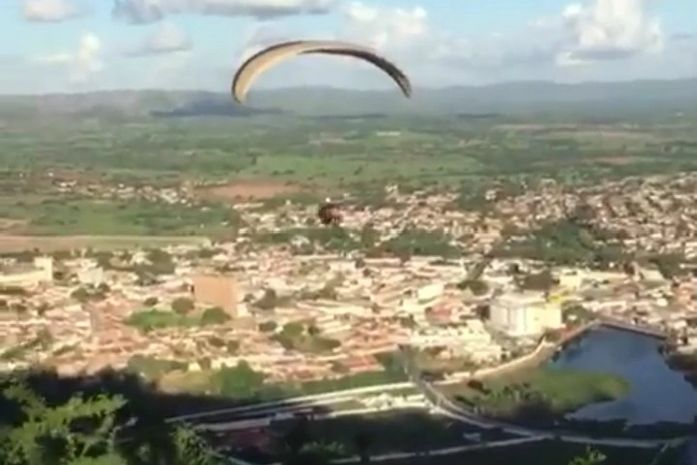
<point x="581" y="34"/>
<point x="168" y="38"/>
<point x="610" y="29"/>
<point x="82" y="63"/>
<point x="147" y="11"/>
<point x="386" y="28"/>
<point x="49" y="10"/>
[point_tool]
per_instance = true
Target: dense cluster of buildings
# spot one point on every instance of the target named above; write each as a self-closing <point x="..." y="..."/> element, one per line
<point x="366" y="306"/>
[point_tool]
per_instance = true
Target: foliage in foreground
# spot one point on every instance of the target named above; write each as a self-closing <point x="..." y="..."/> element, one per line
<point x="83" y="431"/>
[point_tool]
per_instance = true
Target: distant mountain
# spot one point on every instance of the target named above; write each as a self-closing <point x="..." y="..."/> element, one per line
<point x="601" y="99"/>
<point x="522" y="97"/>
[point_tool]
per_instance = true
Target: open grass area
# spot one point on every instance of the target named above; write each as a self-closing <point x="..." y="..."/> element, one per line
<point x="328" y="152"/>
<point x="544" y="391"/>
<point x="70" y="216"/>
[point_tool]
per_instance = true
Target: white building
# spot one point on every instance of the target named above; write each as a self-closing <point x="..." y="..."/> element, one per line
<point x="28" y="275"/>
<point x="525" y="314"/>
<point x="430" y="292"/>
<point x="91" y="275"/>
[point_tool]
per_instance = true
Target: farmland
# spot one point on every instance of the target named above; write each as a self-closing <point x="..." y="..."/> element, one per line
<point x="223" y="160"/>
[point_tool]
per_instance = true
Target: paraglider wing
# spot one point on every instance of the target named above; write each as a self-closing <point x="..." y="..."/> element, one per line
<point x="271" y="56"/>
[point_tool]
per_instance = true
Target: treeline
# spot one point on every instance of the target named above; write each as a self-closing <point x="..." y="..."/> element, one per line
<point x="410" y="242"/>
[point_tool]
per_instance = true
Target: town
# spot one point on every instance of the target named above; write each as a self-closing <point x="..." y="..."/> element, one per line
<point x="298" y="302"/>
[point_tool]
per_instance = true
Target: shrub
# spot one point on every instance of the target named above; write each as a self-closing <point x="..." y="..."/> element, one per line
<point x="182" y="305"/>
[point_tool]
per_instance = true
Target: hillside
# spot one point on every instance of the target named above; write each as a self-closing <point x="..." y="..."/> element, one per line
<point x="599" y="99"/>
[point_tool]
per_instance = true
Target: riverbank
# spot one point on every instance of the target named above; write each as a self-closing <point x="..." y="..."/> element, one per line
<point x="537" y="395"/>
<point x="685" y="363"/>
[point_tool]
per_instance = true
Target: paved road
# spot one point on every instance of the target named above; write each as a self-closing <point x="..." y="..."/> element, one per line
<point x="303" y="400"/>
<point x="441" y="403"/>
<point x="437" y="402"/>
<point x="252" y="423"/>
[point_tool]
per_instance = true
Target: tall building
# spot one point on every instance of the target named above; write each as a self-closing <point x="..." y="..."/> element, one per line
<point x="525" y="314"/>
<point x="217" y="291"/>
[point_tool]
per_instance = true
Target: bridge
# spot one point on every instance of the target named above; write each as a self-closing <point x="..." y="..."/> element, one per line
<point x="647" y="330"/>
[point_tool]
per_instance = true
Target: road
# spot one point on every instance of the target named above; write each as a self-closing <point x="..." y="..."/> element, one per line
<point x="18" y="243"/>
<point x="435" y="399"/>
<point x="305" y="401"/>
<point x="253" y="423"/>
<point x="445" y="406"/>
<point x="437" y="402"/>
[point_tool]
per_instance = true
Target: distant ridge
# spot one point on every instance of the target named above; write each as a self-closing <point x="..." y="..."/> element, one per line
<point x="601" y="98"/>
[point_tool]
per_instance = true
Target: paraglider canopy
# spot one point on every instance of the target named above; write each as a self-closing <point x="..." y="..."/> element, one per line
<point x="271" y="56"/>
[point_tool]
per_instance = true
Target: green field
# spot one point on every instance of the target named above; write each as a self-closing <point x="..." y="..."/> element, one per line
<point x="106" y="146"/>
<point x="69" y="216"/>
<point x="544" y="391"/>
<point x="449" y="150"/>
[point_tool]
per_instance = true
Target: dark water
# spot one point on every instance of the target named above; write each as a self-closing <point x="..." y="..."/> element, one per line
<point x="657" y="392"/>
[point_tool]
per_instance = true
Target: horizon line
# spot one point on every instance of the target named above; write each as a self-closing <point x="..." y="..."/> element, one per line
<point x="361" y="90"/>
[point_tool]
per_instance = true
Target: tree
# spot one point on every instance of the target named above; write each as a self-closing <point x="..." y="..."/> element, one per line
<point x="80" y="294"/>
<point x="477" y="286"/>
<point x="103" y="288"/>
<point x="241" y="381"/>
<point x="668" y="265"/>
<point x="182" y="305"/>
<point x="269" y="301"/>
<point x="232" y="347"/>
<point x="150" y="301"/>
<point x="543" y="281"/>
<point x="81" y="431"/>
<point x="369" y="236"/>
<point x="214" y="316"/>
<point x="191" y="449"/>
<point x="591" y="457"/>
<point x="268" y="326"/>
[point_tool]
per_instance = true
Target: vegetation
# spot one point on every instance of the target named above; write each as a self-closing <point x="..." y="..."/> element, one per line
<point x="182" y="305"/>
<point x="333" y="239"/>
<point x="239" y="382"/>
<point x="149" y="320"/>
<point x="56" y="215"/>
<point x="85" y="294"/>
<point x="214" y="316"/>
<point x="84" y="431"/>
<point x="541" y="394"/>
<point x="295" y="336"/>
<point x="476" y="286"/>
<point x="566" y="242"/>
<point x="269" y="300"/>
<point x="90" y="428"/>
<point x="417" y="242"/>
<point x="268" y="326"/>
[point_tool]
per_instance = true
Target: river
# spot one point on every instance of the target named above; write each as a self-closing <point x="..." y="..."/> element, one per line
<point x="657" y="392"/>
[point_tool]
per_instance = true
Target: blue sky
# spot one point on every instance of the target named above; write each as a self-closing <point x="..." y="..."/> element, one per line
<point x="84" y="45"/>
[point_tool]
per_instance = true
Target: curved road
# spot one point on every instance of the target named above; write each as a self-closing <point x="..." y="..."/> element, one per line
<point x="446" y="407"/>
